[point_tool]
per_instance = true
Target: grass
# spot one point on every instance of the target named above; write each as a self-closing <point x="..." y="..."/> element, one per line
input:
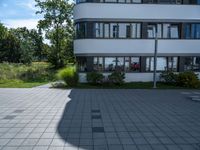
<point x="131" y="85"/>
<point x="20" y="84"/>
<point x="25" y="76"/>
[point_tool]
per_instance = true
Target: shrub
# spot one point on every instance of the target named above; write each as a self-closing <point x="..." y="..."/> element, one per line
<point x="188" y="79"/>
<point x="116" y="78"/>
<point x="95" y="78"/>
<point x="69" y="75"/>
<point x="168" y="77"/>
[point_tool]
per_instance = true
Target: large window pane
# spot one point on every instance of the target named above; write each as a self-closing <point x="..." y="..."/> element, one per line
<point x="135" y="30"/>
<point x="121" y="1"/>
<point x="137" y="1"/>
<point x="192" y="64"/>
<point x="110" y="63"/>
<point x="135" y="64"/>
<point x="113" y="30"/>
<point x="196" y="63"/>
<point x="127" y="64"/>
<point x="106" y="30"/>
<point x="120" y="64"/>
<point x="124" y="30"/>
<point x="174" y="31"/>
<point x="166" y="30"/>
<point x="81" y="30"/>
<point x="82" y="64"/>
<point x="172" y="63"/>
<point x="161" y="64"/>
<point x="98" y="63"/>
<point x="195" y="31"/>
<point x="151" y="31"/>
<point x="95" y="63"/>
<point x="111" y="1"/>
<point x="188" y="63"/>
<point x="98" y="30"/>
<point x="187" y="31"/>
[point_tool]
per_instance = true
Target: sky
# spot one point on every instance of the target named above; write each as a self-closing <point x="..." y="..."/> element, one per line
<point x="18" y="13"/>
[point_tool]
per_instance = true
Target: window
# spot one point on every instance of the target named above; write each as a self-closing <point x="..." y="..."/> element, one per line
<point x="192" y="64"/>
<point x="135" y="30"/>
<point x="161" y="64"/>
<point x="110" y="63"/>
<point x="151" y="30"/>
<point x="127" y="64"/>
<point x="170" y="31"/>
<point x="98" y="63"/>
<point x="121" y="1"/>
<point x="95" y="63"/>
<point x="166" y="30"/>
<point x="106" y="30"/>
<point x="113" y="30"/>
<point x="82" y="64"/>
<point x="137" y="1"/>
<point x="98" y="30"/>
<point x="120" y="64"/>
<point x="135" y="64"/>
<point x="192" y="31"/>
<point x="111" y="1"/>
<point x="174" y="31"/>
<point x="196" y="31"/>
<point x="172" y="63"/>
<point x="81" y="30"/>
<point x="124" y="30"/>
<point x="187" y="31"/>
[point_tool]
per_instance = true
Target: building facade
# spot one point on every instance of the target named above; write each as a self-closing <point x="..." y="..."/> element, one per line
<point x="119" y="35"/>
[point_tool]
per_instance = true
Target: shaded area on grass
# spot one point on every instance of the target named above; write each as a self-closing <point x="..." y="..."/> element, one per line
<point x="20" y="84"/>
<point x="131" y="85"/>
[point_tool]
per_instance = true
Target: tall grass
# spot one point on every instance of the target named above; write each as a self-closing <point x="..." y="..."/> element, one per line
<point x="34" y="72"/>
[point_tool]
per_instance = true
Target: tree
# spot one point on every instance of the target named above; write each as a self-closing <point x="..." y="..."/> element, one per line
<point x="10" y="49"/>
<point x="3" y="31"/>
<point x="37" y="40"/>
<point x="58" y="26"/>
<point x="26" y="44"/>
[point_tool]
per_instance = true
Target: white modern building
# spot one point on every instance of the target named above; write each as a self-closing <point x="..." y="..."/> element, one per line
<point x="119" y="34"/>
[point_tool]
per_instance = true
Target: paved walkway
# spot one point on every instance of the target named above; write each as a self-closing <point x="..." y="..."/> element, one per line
<point x="42" y="118"/>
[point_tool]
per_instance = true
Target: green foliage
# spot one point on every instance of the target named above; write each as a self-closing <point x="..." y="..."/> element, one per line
<point x="33" y="72"/>
<point x="188" y="79"/>
<point x="58" y="26"/>
<point x="69" y="75"/>
<point x="117" y="78"/>
<point x="95" y="78"/>
<point x="168" y="77"/>
<point x="20" y="45"/>
<point x="185" y="79"/>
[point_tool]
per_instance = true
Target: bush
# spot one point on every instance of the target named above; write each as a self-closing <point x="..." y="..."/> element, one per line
<point x="95" y="78"/>
<point x="168" y="77"/>
<point x="69" y="75"/>
<point x="116" y="78"/>
<point x="188" y="79"/>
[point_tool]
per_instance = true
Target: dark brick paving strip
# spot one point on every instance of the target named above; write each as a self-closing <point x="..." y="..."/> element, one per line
<point x="42" y="118"/>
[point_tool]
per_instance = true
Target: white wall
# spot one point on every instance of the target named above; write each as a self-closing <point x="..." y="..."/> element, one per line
<point x="133" y="46"/>
<point x="137" y="11"/>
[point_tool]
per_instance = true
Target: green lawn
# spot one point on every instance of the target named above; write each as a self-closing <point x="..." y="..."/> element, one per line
<point x="19" y="84"/>
<point x="131" y="85"/>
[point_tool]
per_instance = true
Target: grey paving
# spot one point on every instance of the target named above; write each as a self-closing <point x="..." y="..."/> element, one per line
<point x="45" y="119"/>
